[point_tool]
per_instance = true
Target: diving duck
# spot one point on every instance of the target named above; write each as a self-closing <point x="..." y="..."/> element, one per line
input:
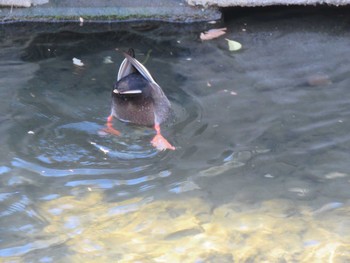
<point x="137" y="98"/>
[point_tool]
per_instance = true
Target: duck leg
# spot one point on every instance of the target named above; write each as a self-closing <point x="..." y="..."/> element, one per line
<point x="109" y="126"/>
<point x="159" y="141"/>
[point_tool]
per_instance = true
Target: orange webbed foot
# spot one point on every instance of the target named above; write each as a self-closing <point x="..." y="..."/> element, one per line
<point x="161" y="143"/>
<point x="109" y="129"/>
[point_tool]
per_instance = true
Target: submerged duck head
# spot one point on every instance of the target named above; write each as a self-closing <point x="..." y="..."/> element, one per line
<point x="137" y="98"/>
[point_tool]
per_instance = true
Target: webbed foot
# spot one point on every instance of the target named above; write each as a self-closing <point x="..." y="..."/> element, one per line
<point x="161" y="144"/>
<point x="109" y="127"/>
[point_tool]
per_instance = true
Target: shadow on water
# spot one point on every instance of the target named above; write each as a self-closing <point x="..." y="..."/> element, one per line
<point x="261" y="135"/>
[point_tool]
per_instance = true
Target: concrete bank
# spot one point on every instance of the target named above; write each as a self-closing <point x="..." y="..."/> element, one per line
<point x="105" y="11"/>
<point x="184" y="11"/>
<point x="257" y="3"/>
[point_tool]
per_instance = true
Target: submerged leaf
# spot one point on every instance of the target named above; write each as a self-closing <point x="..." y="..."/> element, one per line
<point x="233" y="45"/>
<point x="213" y="33"/>
<point x="319" y="80"/>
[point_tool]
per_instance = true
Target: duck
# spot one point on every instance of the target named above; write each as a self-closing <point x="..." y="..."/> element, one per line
<point x="137" y="98"/>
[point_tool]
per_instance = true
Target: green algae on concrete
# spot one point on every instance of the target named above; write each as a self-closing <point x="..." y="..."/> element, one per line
<point x="246" y="3"/>
<point x="110" y="11"/>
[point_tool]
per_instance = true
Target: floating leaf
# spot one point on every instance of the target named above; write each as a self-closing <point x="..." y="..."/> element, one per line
<point x="77" y="62"/>
<point x="233" y="45"/>
<point x="107" y="60"/>
<point x="213" y="33"/>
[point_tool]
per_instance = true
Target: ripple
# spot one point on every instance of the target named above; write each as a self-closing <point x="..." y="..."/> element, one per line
<point x="29" y="247"/>
<point x="49" y="172"/>
<point x="317" y="125"/>
<point x="110" y="183"/>
<point x="83" y="126"/>
<point x="129" y="154"/>
<point x="18" y="204"/>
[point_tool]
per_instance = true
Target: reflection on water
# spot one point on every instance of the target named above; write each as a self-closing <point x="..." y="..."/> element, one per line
<point x="260" y="173"/>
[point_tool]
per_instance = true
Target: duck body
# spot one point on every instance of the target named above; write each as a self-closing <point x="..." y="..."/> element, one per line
<point x="137" y="108"/>
<point x="135" y="103"/>
<point x="137" y="98"/>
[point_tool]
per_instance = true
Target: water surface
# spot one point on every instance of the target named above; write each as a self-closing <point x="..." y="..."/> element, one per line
<point x="261" y="169"/>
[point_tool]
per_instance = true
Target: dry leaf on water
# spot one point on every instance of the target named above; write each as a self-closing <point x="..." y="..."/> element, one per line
<point x="233" y="45"/>
<point x="77" y="62"/>
<point x="213" y="33"/>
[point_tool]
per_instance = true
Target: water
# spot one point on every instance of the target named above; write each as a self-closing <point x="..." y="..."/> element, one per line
<point x="261" y="169"/>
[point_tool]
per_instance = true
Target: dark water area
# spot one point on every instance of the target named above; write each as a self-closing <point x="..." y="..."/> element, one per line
<point x="261" y="167"/>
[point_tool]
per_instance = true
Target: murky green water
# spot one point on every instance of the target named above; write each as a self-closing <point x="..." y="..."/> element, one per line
<point x="261" y="171"/>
